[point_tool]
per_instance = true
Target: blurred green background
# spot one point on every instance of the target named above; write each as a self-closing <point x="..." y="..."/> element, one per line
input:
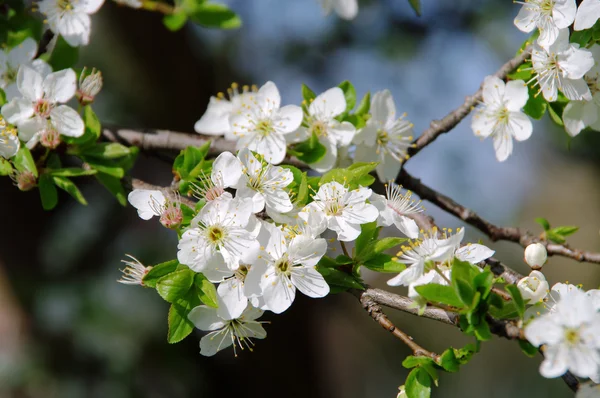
<point x="67" y="329"/>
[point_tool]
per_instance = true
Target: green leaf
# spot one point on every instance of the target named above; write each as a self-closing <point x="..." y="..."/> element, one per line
<point x="515" y="294"/>
<point x="189" y="163"/>
<point x="448" y="361"/>
<point x="63" y="56"/>
<point x="175" y="21"/>
<point x="565" y="230"/>
<point x="483" y="332"/>
<point x="543" y="222"/>
<point x="48" y="192"/>
<point x="71" y="172"/>
<point x="555" y="110"/>
<point x="368" y="232"/>
<point x="581" y="37"/>
<point x="523" y="72"/>
<point x="508" y="310"/>
<point x="378" y="246"/>
<point x="340" y="279"/>
<point x="527" y="348"/>
<point x="462" y="280"/>
<point x="206" y="290"/>
<point x="158" y="271"/>
<point x="179" y="324"/>
<point x="113" y="185"/>
<point x="384" y="263"/>
<point x="554" y="237"/>
<point x="439" y="294"/>
<point x="342" y="259"/>
<point x="412" y="361"/>
<point x="107" y="150"/>
<point x="536" y="104"/>
<point x="212" y="15"/>
<point x="175" y="285"/>
<point x="23" y="161"/>
<point x="2" y="97"/>
<point x="308" y="94"/>
<point x="349" y="94"/>
<point x="416" y="5"/>
<point x="69" y="186"/>
<point x="311" y="150"/>
<point x="5" y="167"/>
<point x="360" y="169"/>
<point x="364" y="106"/>
<point x="418" y="384"/>
<point x="484" y="282"/>
<point x="302" y="196"/>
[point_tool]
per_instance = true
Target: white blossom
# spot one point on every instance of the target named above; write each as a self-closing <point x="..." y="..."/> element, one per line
<point x="385" y="138"/>
<point x="570" y="333"/>
<point x="533" y="287"/>
<point x="231" y="293"/>
<point x="218" y="239"/>
<point x="9" y="142"/>
<point x="321" y="121"/>
<point x="549" y="16"/>
<point x="262" y="126"/>
<point x="396" y="209"/>
<point x="341" y="210"/>
<point x="587" y="14"/>
<point x="500" y="115"/>
<point x="346" y="9"/>
<point x="10" y="61"/>
<point x="39" y="110"/>
<point x="221" y="108"/>
<point x="285" y="266"/>
<point x="535" y="255"/>
<point x="226" y="172"/>
<point x="150" y="203"/>
<point x="562" y="67"/>
<point x="70" y="18"/>
<point x="225" y="332"/>
<point x="578" y="115"/>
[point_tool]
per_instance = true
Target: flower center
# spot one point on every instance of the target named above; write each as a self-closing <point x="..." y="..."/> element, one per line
<point x="319" y="128"/>
<point x="572" y="336"/>
<point x="171" y="216"/>
<point x="264" y="127"/>
<point x="382" y="137"/>
<point x="283" y="265"/>
<point x="333" y="207"/>
<point x="216" y="234"/>
<point x="546" y="7"/>
<point x="593" y="83"/>
<point x="10" y="75"/>
<point x="64" y="5"/>
<point x="241" y="272"/>
<point x="42" y="108"/>
<point x="50" y="138"/>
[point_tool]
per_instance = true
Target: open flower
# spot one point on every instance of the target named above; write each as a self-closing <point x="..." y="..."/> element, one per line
<point x="12" y="59"/>
<point x="321" y="121"/>
<point x="9" y="142"/>
<point x="587" y="14"/>
<point x="262" y="126"/>
<point x="570" y="333"/>
<point x="341" y="210"/>
<point x="232" y="296"/>
<point x="396" y="208"/>
<point x="286" y="265"/>
<point x="70" y="18"/>
<point x="549" y="16"/>
<point x="346" y="9"/>
<point x="533" y="287"/>
<point x="150" y="203"/>
<point x="562" y="67"/>
<point x="384" y="139"/>
<point x="38" y="109"/>
<point x="226" y="172"/>
<point x="225" y="332"/>
<point x="218" y="236"/>
<point x="500" y="115"/>
<point x="215" y="120"/>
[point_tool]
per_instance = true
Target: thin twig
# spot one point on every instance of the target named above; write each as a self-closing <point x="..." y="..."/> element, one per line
<point x="44" y="42"/>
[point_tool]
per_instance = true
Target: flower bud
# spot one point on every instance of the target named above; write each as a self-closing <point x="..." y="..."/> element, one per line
<point x="89" y="86"/>
<point x="171" y="215"/>
<point x="24" y="180"/>
<point x="533" y="287"/>
<point x="536" y="255"/>
<point x="50" y="138"/>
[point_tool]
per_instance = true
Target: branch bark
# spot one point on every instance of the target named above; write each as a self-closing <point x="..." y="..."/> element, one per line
<point x="439" y="127"/>
<point x="495" y="233"/>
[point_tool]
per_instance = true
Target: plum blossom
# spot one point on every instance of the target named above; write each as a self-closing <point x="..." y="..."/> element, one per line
<point x="9" y="142"/>
<point x="225" y="332"/>
<point x="587" y="14"/>
<point x="395" y="209"/>
<point x="549" y="16"/>
<point x="578" y="115"/>
<point x="134" y="272"/>
<point x="385" y="138"/>
<point x="231" y="294"/>
<point x="500" y="115"/>
<point x="321" y="121"/>
<point x="562" y="67"/>
<point x="10" y="61"/>
<point x="557" y="293"/>
<point x="285" y="266"/>
<point x="225" y="173"/>
<point x="218" y="238"/>
<point x="346" y="9"/>
<point x="70" y="18"/>
<point x="570" y="333"/>
<point x="150" y="203"/>
<point x="533" y="287"/>
<point x="221" y="108"/>
<point x="263" y="127"/>
<point x="341" y="210"/>
<point x="38" y="111"/>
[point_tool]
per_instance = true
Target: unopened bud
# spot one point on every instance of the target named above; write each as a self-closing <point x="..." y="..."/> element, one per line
<point x="89" y="86"/>
<point x="24" y="180"/>
<point x="535" y="255"/>
<point x="533" y="287"/>
<point x="171" y="216"/>
<point x="50" y="138"/>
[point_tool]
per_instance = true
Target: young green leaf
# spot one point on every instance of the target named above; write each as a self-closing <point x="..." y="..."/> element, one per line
<point x="527" y="348"/>
<point x="308" y="94"/>
<point x="69" y="186"/>
<point x="175" y="21"/>
<point x="158" y="271"/>
<point x="543" y="222"/>
<point x="107" y="150"/>
<point x="206" y="290"/>
<point x="565" y="231"/>
<point x="349" y="94"/>
<point x="179" y="324"/>
<point x="515" y="294"/>
<point x="114" y="186"/>
<point x="63" y="56"/>
<point x="71" y="172"/>
<point x="412" y="361"/>
<point x="175" y="285"/>
<point x="364" y="106"/>
<point x="48" y="192"/>
<point x="418" y="384"/>
<point x="23" y="161"/>
<point x="311" y="150"/>
<point x="439" y="294"/>
<point x="213" y="15"/>
<point x="368" y="232"/>
<point x="340" y="279"/>
<point x="5" y="167"/>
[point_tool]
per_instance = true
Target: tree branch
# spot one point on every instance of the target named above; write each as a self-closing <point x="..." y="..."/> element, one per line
<point x="495" y="233"/>
<point x="450" y="121"/>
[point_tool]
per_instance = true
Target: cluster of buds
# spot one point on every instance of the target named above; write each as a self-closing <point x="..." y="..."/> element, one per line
<point x="89" y="86"/>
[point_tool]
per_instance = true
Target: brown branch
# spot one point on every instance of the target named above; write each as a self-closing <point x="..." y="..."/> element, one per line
<point x="439" y="127"/>
<point x="495" y="233"/>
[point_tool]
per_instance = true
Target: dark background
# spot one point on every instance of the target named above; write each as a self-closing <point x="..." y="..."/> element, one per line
<point x="67" y="329"/>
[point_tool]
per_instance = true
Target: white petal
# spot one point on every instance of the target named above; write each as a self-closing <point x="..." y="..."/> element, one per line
<point x="310" y="282"/>
<point x="383" y="108"/>
<point x="60" y="86"/>
<point x="388" y="168"/>
<point x="408" y="276"/>
<point x="575" y="89"/>
<point x="30" y="83"/>
<point x="503" y="146"/>
<point x="555" y="362"/>
<point x="360" y="213"/>
<point x="232" y="301"/>
<point x="520" y="126"/>
<point x="306" y="250"/>
<point x="493" y="90"/>
<point x="346" y="9"/>
<point x="278" y="291"/>
<point x="67" y="121"/>
<point x="346" y="231"/>
<point x="573" y="117"/>
<point x="564" y="13"/>
<point x="214" y="342"/>
<point x="227" y="169"/>
<point x="289" y="118"/>
<point x="328" y="161"/>
<point x="328" y="104"/>
<point x="544" y="330"/>
<point x="91" y="6"/>
<point x="41" y="67"/>
<point x="146" y="202"/>
<point x="406" y="225"/>
<point x="343" y="133"/>
<point x="9" y="145"/>
<point x="75" y="28"/>
<point x="205" y="318"/>
<point x="278" y="200"/>
<point x="17" y="110"/>
<point x="516" y="95"/>
<point x="587" y="14"/>
<point x="30" y="128"/>
<point x="483" y="123"/>
<point x="578" y="63"/>
<point x="525" y="20"/>
<point x="474" y="253"/>
<point x="215" y="120"/>
<point x="270" y="94"/>
<point x="23" y="53"/>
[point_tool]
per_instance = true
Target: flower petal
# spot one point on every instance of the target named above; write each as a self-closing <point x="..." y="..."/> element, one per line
<point x="516" y="95"/>
<point x="231" y="297"/>
<point x="493" y="90"/>
<point x="474" y="253"/>
<point x="289" y="118"/>
<point x="215" y="342"/>
<point x="60" y="86"/>
<point x="67" y="121"/>
<point x="9" y="145"/>
<point x="503" y="146"/>
<point x="587" y="14"/>
<point x="329" y="104"/>
<point x="17" y="110"/>
<point x="75" y="28"/>
<point x="30" y="83"/>
<point x="310" y="282"/>
<point x="520" y="126"/>
<point x="30" y="128"/>
<point x="226" y="169"/>
<point x="147" y="202"/>
<point x="205" y="318"/>
<point x="23" y="53"/>
<point x="383" y="108"/>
